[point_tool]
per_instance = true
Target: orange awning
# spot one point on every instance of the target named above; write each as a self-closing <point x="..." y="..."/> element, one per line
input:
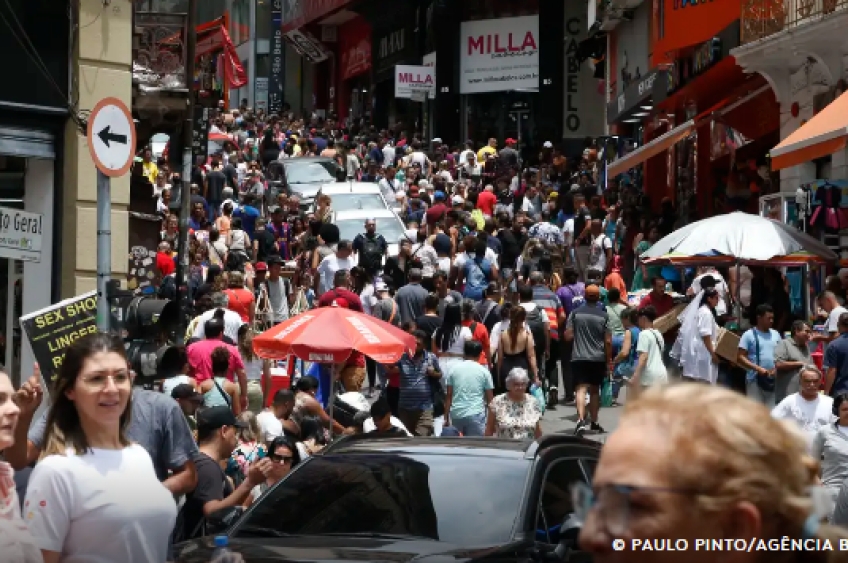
<point x="824" y="134"/>
<point x="655" y="147"/>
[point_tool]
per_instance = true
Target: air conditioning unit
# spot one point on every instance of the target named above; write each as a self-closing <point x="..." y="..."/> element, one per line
<point x="329" y="33"/>
<point x="625" y="4"/>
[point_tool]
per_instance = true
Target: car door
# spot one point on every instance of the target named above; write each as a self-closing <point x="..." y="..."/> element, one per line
<point x="555" y="517"/>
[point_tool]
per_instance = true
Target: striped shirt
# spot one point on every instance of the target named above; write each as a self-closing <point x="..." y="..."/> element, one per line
<point x="416" y="392"/>
<point x="550" y="304"/>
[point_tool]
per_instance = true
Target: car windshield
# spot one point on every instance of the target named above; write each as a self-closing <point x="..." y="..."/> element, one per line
<point x="391" y="229"/>
<point x="446" y="498"/>
<point x="311" y="172"/>
<point x="352" y="202"/>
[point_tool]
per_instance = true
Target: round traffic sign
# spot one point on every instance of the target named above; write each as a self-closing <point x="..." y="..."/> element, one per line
<point x="111" y="137"/>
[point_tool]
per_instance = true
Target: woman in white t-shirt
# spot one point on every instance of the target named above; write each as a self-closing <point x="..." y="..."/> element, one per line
<point x="94" y="495"/>
<point x="650" y="370"/>
<point x="449" y="339"/>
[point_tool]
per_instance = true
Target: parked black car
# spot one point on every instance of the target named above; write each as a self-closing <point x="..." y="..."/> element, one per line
<point x="372" y="498"/>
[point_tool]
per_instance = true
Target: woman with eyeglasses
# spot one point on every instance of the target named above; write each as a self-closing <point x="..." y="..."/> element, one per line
<point x="745" y="478"/>
<point x="284" y="457"/>
<point x="94" y="495"/>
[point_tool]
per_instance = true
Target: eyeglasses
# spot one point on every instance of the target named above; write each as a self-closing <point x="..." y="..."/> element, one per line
<point x="101" y="380"/>
<point x="613" y="503"/>
<point x="284" y="459"/>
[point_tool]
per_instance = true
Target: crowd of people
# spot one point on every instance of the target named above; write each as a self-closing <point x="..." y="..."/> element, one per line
<point x="517" y="278"/>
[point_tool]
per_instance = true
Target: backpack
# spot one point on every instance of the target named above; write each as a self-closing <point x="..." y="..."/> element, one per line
<point x="477" y="274"/>
<point x="536" y="322"/>
<point x="480" y="221"/>
<point x="372" y="253"/>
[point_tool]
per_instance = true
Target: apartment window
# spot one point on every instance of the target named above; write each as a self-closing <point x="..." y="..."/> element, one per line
<point x="263" y="19"/>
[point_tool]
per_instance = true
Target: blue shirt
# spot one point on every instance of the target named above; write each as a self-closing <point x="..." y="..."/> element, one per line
<point x="767" y="342"/>
<point x="416" y="392"/>
<point x="836" y="356"/>
<point x="248" y="215"/>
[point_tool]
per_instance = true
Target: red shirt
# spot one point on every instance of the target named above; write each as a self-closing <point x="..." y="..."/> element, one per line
<point x="481" y="335"/>
<point x="486" y="202"/>
<point x="240" y="301"/>
<point x="435" y="213"/>
<point x="663" y="303"/>
<point x="341" y="297"/>
<point x="200" y="359"/>
<point x="165" y="263"/>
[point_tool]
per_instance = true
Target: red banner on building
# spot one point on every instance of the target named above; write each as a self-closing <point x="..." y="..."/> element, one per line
<point x="297" y="13"/>
<point x="354" y="49"/>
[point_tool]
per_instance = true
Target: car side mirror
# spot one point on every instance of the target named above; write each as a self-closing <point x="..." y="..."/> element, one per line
<point x="223" y="519"/>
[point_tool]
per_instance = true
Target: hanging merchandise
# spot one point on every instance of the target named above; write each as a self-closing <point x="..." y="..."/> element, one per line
<point x="828" y="213"/>
<point x="803" y="199"/>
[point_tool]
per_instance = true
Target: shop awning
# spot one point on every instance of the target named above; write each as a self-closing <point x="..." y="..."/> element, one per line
<point x="655" y="147"/>
<point x="824" y="134"/>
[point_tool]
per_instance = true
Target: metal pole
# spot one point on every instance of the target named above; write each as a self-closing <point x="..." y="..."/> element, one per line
<point x="104" y="250"/>
<point x="185" y="195"/>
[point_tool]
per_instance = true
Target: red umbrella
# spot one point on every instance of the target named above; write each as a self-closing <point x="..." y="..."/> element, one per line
<point x="330" y="334"/>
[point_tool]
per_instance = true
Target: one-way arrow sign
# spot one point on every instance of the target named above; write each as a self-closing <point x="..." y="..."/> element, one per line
<point x="106" y="135"/>
<point x="111" y="137"/>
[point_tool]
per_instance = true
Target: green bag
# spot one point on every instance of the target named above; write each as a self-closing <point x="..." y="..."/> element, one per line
<point x="606" y="393"/>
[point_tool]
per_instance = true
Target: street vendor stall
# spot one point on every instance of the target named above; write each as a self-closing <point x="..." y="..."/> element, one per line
<point x="329" y="335"/>
<point x="734" y="240"/>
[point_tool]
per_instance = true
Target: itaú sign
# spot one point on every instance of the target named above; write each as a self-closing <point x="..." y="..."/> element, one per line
<point x="410" y="79"/>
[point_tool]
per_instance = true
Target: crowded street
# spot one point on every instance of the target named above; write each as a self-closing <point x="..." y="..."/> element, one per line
<point x="333" y="281"/>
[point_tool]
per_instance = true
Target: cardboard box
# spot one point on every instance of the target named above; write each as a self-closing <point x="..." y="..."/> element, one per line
<point x="669" y="321"/>
<point x="727" y="346"/>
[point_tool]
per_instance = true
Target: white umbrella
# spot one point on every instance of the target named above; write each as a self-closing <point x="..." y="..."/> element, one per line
<point x="743" y="236"/>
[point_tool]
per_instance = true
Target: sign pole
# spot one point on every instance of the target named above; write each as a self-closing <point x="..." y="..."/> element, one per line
<point x="104" y="249"/>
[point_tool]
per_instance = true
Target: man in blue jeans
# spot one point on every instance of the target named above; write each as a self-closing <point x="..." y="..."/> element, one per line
<point x="469" y="392"/>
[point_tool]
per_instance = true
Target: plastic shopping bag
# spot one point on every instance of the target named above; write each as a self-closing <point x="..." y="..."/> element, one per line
<point x="606" y="393"/>
<point x="539" y="394"/>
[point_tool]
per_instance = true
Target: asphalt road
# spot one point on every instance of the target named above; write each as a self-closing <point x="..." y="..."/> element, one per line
<point x="563" y="419"/>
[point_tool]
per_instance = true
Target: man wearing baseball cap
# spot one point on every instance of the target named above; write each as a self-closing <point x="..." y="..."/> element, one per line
<point x="591" y="358"/>
<point x="216" y="437"/>
<point x="508" y="155"/>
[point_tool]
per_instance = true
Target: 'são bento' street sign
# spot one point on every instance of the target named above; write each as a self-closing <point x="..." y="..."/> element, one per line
<point x="111" y="137"/>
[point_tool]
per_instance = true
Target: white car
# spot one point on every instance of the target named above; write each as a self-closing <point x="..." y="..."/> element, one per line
<point x="352" y="223"/>
<point x="354" y="196"/>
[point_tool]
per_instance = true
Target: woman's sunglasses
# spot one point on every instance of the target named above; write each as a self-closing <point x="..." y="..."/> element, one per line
<point x="280" y="458"/>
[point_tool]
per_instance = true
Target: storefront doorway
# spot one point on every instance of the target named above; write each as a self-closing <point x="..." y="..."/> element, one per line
<point x="500" y="115"/>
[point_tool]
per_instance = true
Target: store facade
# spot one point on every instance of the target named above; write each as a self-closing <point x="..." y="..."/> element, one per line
<point x="353" y="93"/>
<point x="705" y="124"/>
<point x="798" y="51"/>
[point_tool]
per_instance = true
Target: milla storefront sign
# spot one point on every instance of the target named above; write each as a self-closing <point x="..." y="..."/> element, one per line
<point x="499" y="55"/>
<point x="414" y="81"/>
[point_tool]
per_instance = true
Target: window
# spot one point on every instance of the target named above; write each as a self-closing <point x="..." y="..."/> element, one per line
<point x="555" y="501"/>
<point x="311" y="172"/>
<point x="240" y="22"/>
<point x="456" y="499"/>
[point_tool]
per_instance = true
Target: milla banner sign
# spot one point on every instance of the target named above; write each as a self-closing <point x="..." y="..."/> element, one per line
<point x="410" y="80"/>
<point x="499" y="55"/>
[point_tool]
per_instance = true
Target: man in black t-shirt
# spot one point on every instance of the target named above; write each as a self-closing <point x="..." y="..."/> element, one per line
<point x="216" y="181"/>
<point x="264" y="241"/>
<point x="430" y="320"/>
<point x="216" y="436"/>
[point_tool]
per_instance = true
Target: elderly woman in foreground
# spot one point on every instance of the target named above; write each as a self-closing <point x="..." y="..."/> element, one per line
<point x="515" y="414"/>
<point x="746" y="480"/>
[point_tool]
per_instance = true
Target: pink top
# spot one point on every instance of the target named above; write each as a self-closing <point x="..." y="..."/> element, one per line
<point x="200" y="359"/>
